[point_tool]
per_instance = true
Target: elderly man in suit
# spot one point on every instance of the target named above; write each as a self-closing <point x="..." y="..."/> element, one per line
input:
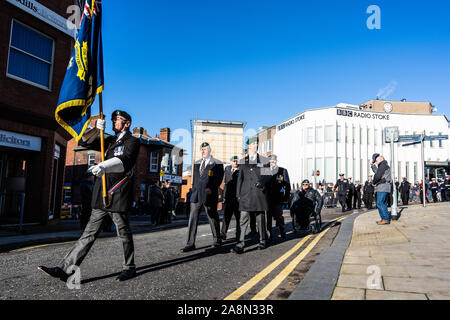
<point x="251" y="191"/>
<point x="278" y="193"/>
<point x="230" y="203"/>
<point x="207" y="177"/>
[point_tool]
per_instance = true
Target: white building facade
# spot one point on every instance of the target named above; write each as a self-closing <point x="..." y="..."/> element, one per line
<point x="342" y="139"/>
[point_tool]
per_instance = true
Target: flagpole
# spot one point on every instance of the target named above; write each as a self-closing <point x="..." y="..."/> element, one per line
<point x="102" y="147"/>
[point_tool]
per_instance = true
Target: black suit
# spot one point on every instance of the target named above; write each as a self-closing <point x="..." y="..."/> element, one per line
<point x="434" y="188"/>
<point x="342" y="187"/>
<point x="253" y="179"/>
<point x="357" y="196"/>
<point x="368" y="190"/>
<point x="230" y="202"/>
<point x="349" y="195"/>
<point x="211" y="178"/>
<point x="279" y="190"/>
<point x="126" y="149"/>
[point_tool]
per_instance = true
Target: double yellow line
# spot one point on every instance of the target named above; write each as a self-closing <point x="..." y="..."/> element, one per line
<point x="269" y="288"/>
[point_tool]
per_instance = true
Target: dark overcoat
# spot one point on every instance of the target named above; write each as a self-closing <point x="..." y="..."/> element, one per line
<point x="253" y="182"/>
<point x="126" y="149"/>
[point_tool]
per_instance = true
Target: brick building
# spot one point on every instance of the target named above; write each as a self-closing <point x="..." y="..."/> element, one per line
<point x="35" y="46"/>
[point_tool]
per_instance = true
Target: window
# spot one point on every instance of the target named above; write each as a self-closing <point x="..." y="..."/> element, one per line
<point x="329" y="136"/>
<point x="154" y="161"/>
<point x="440" y="141"/>
<point x="417" y="144"/>
<point x="269" y="145"/>
<point x="309" y="135"/>
<point x="346" y="134"/>
<point x="309" y="168"/>
<point x="368" y="136"/>
<point x="319" y="134"/>
<point x="353" y="134"/>
<point x="431" y="141"/>
<point x="354" y="170"/>
<point x="360" y="135"/>
<point x="329" y="169"/>
<point x="375" y="137"/>
<point x="339" y="165"/>
<point x="407" y="171"/>
<point x="361" y="174"/>
<point x="30" y="56"/>
<point x="338" y="133"/>
<point x="91" y="160"/>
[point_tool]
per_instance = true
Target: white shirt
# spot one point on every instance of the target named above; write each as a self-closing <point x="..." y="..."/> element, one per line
<point x="118" y="137"/>
<point x="253" y="157"/>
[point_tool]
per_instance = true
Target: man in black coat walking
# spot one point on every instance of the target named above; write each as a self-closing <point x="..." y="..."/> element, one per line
<point x="350" y="194"/>
<point x="342" y="186"/>
<point x="121" y="154"/>
<point x="279" y="191"/>
<point x="357" y="195"/>
<point x="207" y="176"/>
<point x="230" y="202"/>
<point x="404" y="189"/>
<point x="254" y="175"/>
<point x="368" y="193"/>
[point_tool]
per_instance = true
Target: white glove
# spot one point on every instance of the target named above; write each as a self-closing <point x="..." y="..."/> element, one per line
<point x="113" y="165"/>
<point x="100" y="124"/>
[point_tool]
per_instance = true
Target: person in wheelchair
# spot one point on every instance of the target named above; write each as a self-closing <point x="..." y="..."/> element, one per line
<point x="303" y="204"/>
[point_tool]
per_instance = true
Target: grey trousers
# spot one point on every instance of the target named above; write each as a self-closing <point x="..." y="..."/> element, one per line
<point x="81" y="248"/>
<point x="245" y="221"/>
<point x="213" y="218"/>
<point x="275" y="212"/>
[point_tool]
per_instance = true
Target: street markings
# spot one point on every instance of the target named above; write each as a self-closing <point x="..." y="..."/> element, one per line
<point x="253" y="281"/>
<point x="268" y="289"/>
<point x="285" y="272"/>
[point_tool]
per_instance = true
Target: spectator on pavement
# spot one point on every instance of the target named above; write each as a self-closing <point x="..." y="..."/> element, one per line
<point x="382" y="180"/>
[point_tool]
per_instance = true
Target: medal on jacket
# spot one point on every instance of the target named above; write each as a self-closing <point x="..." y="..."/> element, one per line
<point x="210" y="173"/>
<point x="118" y="151"/>
<point x="280" y="178"/>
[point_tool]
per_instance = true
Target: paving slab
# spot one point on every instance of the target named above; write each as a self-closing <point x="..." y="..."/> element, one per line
<point x="348" y="294"/>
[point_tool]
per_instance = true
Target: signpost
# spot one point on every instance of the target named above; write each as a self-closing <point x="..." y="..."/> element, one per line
<point x="391" y="135"/>
<point x="420" y="138"/>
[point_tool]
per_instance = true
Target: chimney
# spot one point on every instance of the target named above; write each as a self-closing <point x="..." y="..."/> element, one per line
<point x="165" y="134"/>
<point x="138" y="130"/>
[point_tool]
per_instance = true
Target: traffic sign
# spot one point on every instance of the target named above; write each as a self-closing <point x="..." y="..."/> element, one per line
<point x="317" y="173"/>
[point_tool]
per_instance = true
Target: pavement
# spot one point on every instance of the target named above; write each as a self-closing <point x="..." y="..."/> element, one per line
<point x="406" y="260"/>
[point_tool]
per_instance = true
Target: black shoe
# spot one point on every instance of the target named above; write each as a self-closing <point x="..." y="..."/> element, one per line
<point x="269" y="240"/>
<point x="188" y="248"/>
<point x="55" y="272"/>
<point x="217" y="244"/>
<point x="237" y="250"/>
<point x="283" y="236"/>
<point x="261" y="246"/>
<point x="126" y="275"/>
<point x="223" y="237"/>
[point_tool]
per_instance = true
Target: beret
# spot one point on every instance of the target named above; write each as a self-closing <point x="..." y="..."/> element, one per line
<point x="120" y="113"/>
<point x="253" y="139"/>
<point x="204" y="144"/>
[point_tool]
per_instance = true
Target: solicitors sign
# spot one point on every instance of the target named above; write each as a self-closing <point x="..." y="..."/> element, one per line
<point x="20" y="141"/>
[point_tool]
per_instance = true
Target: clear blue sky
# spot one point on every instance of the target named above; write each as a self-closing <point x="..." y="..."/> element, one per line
<point x="263" y="61"/>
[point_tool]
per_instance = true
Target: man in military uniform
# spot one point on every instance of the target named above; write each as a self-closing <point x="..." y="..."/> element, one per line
<point x="279" y="190"/>
<point x="421" y="193"/>
<point x="368" y="191"/>
<point x="207" y="176"/>
<point x="121" y="154"/>
<point x="341" y="186"/>
<point x="230" y="202"/>
<point x="350" y="194"/>
<point x="357" y="195"/>
<point x="254" y="175"/>
<point x="434" y="188"/>
<point x="404" y="189"/>
<point x="446" y="187"/>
